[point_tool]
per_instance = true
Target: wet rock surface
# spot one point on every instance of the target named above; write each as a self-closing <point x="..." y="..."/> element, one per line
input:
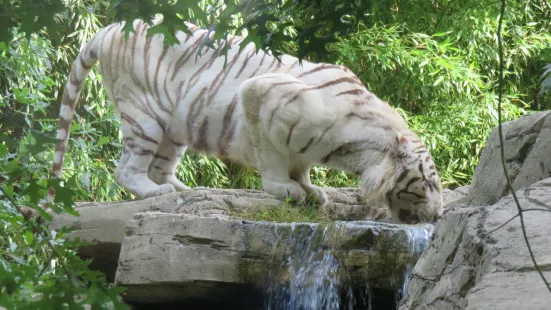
<point x="104" y="224"/>
<point x="163" y="252"/>
<point x="193" y="245"/>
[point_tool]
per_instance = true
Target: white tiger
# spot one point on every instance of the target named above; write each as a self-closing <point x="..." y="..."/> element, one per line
<point x="278" y="117"/>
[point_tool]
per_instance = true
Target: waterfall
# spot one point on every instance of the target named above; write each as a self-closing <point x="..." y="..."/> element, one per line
<point x="419" y="239"/>
<point x="308" y="264"/>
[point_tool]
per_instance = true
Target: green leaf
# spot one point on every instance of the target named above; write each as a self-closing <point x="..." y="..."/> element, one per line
<point x="103" y="140"/>
<point x="169" y="38"/>
<point x="35" y="192"/>
<point x="42" y="142"/>
<point x="64" y="195"/>
<point x="8" y="190"/>
<point x="29" y="238"/>
<point x="3" y="150"/>
<point x="36" y="15"/>
<point x="439" y="80"/>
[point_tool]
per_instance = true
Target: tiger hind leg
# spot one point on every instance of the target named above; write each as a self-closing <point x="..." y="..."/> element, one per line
<point x="162" y="168"/>
<point x="275" y="178"/>
<point x="272" y="164"/>
<point x="139" y="148"/>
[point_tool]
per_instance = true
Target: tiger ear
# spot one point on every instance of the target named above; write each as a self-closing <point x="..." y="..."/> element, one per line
<point x="401" y="139"/>
<point x="402" y="144"/>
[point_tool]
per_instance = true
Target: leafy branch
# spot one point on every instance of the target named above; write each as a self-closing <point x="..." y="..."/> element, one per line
<point x="313" y="24"/>
<point x="47" y="272"/>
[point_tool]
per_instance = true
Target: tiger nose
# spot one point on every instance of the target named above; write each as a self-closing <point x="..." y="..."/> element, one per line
<point x="408" y="217"/>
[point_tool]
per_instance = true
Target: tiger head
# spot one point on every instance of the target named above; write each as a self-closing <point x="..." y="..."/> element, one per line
<point x="407" y="183"/>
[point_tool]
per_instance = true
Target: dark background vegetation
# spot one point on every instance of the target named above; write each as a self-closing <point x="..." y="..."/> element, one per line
<point x="436" y="62"/>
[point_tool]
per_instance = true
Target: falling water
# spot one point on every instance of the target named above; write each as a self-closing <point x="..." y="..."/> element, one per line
<point x="313" y="277"/>
<point x="313" y="282"/>
<point x="419" y="238"/>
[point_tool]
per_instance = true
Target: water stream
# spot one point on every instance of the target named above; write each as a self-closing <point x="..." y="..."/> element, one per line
<point x="308" y="269"/>
<point x="419" y="239"/>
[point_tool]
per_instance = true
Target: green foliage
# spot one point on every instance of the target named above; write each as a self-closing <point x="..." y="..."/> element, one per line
<point x="270" y="24"/>
<point x="39" y="269"/>
<point x="32" y="75"/>
<point x="29" y="17"/>
<point x="442" y="74"/>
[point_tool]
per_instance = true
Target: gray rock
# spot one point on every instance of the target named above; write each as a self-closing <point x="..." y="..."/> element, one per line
<point x="471" y="263"/>
<point x="165" y="253"/>
<point x="463" y="190"/>
<point x="215" y="235"/>
<point x="455" y="197"/>
<point x="527" y="147"/>
<point x="105" y="222"/>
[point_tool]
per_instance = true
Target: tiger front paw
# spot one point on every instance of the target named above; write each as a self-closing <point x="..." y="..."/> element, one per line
<point x="285" y="190"/>
<point x="317" y="193"/>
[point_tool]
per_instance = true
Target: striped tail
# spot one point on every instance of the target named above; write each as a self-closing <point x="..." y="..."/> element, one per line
<point x="87" y="57"/>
